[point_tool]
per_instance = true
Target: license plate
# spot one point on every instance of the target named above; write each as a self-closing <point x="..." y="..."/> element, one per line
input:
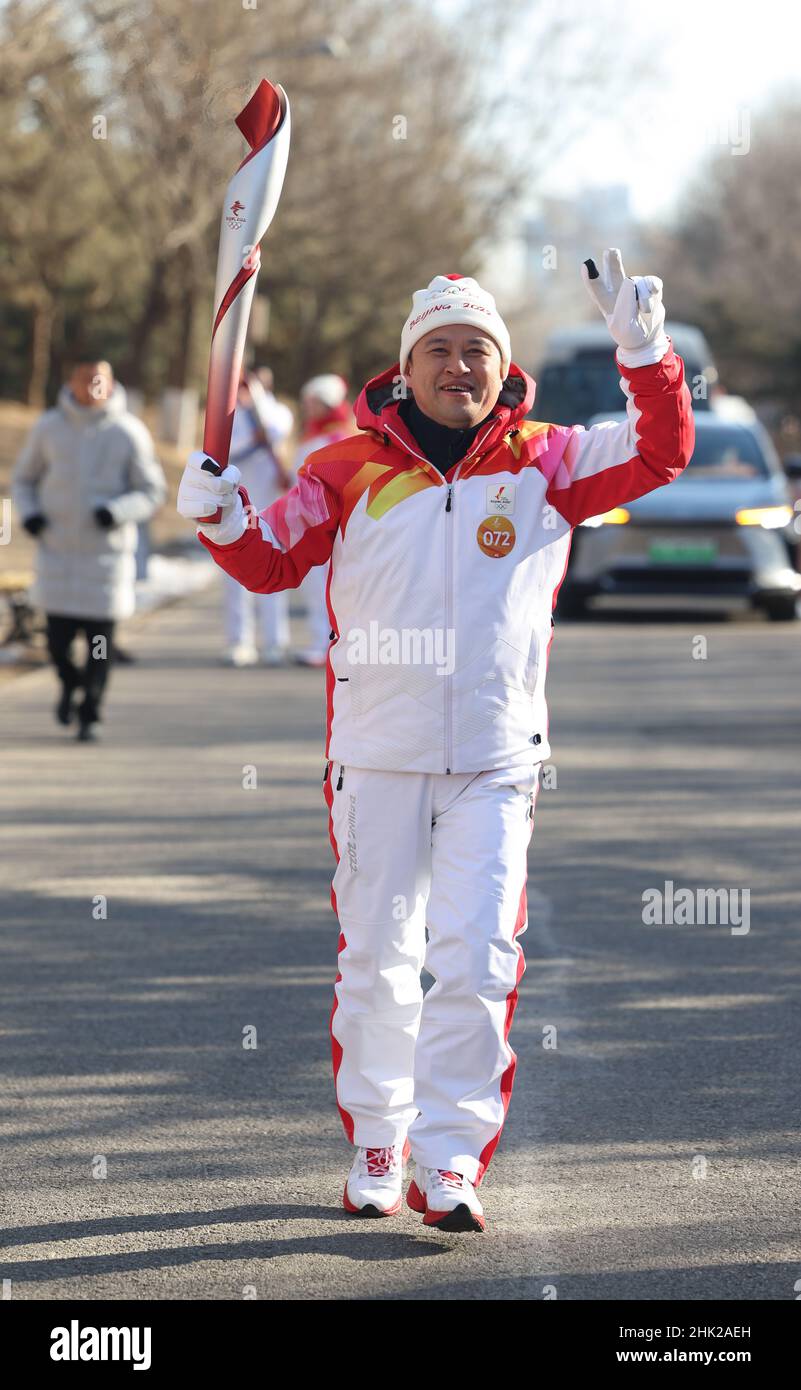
<point x="683" y="552"/>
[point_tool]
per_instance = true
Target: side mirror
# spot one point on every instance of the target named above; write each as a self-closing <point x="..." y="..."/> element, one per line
<point x="792" y="465"/>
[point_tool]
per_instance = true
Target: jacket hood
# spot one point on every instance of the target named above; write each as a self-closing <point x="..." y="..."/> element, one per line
<point x="376" y="407"/>
<point x="114" y="406"/>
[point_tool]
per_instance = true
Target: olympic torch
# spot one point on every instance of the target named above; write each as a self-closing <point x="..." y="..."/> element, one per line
<point x="251" y="199"/>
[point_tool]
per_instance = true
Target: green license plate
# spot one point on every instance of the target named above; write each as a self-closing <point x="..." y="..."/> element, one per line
<point x="683" y="552"/>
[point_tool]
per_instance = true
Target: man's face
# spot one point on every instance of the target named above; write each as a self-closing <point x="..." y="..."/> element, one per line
<point x="312" y="409"/>
<point x="91" y="383"/>
<point x="455" y="374"/>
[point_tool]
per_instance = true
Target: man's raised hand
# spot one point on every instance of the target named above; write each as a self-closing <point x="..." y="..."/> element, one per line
<point x="632" y="307"/>
<point x="203" y="490"/>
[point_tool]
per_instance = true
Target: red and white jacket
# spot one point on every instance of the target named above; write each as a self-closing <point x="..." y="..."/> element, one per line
<point x="441" y="589"/>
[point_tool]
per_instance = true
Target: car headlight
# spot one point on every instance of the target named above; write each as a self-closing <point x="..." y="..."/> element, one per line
<point x="618" y="516"/>
<point x="772" y="518"/>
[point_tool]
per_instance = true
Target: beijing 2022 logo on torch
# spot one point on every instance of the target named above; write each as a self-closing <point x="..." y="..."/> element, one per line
<point x="233" y="219"/>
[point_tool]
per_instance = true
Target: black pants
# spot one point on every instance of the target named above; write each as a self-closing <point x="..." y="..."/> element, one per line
<point x="61" y="632"/>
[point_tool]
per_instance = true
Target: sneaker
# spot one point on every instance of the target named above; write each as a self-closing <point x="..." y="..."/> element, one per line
<point x="241" y="655"/>
<point x="88" y="731"/>
<point x="274" y="656"/>
<point x="373" y="1186"/>
<point x="310" y="658"/>
<point x="89" y="714"/>
<point x="447" y="1200"/>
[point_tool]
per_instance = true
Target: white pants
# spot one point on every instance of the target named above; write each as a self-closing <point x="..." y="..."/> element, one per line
<point x="244" y="610"/>
<point x="419" y="851"/>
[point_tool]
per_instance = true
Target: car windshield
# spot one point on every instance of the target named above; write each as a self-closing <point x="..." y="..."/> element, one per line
<point x="727" y="453"/>
<point x="569" y="393"/>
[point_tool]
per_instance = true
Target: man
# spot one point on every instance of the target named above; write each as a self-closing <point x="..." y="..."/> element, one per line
<point x="448" y="525"/>
<point x="85" y="476"/>
<point x="261" y="425"/>
<point x="327" y="418"/>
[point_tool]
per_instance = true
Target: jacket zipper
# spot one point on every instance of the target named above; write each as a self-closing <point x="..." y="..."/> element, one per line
<point x="448" y="575"/>
<point x="447" y="561"/>
<point x="449" y="615"/>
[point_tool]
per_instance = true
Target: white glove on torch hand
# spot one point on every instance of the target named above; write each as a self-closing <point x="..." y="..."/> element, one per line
<point x="200" y="493"/>
<point x="632" y="307"/>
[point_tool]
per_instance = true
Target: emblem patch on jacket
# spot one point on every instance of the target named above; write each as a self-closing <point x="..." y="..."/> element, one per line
<point x="501" y="499"/>
<point x="496" y="536"/>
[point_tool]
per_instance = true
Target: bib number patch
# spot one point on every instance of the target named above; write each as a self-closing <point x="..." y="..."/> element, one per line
<point x="496" y="536"/>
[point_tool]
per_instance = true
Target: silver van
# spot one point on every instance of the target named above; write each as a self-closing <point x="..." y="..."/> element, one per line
<point x="723" y="530"/>
<point x="578" y="377"/>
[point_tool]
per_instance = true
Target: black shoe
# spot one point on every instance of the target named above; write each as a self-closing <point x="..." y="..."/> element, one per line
<point x="87" y="733"/>
<point x="87" y="716"/>
<point x="125" y="658"/>
<point x="64" y="708"/>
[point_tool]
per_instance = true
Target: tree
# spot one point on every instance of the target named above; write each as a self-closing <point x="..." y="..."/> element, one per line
<point x="415" y="132"/>
<point x="52" y="204"/>
<point x="733" y="256"/>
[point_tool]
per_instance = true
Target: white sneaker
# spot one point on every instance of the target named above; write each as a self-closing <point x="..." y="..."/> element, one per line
<point x="310" y="657"/>
<point x="374" y="1183"/>
<point x="274" y="656"/>
<point x="241" y="655"/>
<point x="447" y="1200"/>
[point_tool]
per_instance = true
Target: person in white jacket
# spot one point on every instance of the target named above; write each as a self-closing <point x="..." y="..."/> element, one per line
<point x="86" y="475"/>
<point x="327" y="417"/>
<point x="447" y="522"/>
<point x="258" y="623"/>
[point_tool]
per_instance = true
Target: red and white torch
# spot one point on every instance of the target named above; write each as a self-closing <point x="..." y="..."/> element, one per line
<point x="250" y="203"/>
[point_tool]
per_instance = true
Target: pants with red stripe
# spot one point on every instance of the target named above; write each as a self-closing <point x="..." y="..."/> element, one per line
<point x="442" y="856"/>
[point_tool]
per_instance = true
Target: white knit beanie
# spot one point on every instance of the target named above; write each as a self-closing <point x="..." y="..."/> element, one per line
<point x="454" y="299"/>
<point x="329" y="389"/>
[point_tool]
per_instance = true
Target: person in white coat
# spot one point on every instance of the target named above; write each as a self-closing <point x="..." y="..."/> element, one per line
<point x="261" y="425"/>
<point x="327" y="417"/>
<point x="86" y="475"/>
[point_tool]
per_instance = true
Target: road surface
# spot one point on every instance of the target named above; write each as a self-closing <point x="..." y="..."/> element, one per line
<point x="652" y="1153"/>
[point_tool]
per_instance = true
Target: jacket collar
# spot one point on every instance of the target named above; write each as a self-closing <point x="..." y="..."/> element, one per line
<point x="377" y="410"/>
<point x="442" y="444"/>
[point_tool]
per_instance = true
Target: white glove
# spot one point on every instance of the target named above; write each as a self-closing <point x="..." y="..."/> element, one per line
<point x="201" y="492"/>
<point x="632" y="307"/>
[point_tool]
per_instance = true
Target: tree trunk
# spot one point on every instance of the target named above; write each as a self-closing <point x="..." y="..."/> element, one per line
<point x="41" y="341"/>
<point x="154" y="310"/>
<point x="179" y="373"/>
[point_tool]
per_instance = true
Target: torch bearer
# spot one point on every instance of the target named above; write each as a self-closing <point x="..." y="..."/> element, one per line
<point x="250" y="203"/>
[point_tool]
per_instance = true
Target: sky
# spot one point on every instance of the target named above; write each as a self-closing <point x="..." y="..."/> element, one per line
<point x="719" y="63"/>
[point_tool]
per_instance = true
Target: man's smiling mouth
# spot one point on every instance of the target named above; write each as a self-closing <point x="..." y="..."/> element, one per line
<point x="461" y="390"/>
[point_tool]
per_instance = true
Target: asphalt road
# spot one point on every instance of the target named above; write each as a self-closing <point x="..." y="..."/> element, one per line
<point x="652" y="1153"/>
